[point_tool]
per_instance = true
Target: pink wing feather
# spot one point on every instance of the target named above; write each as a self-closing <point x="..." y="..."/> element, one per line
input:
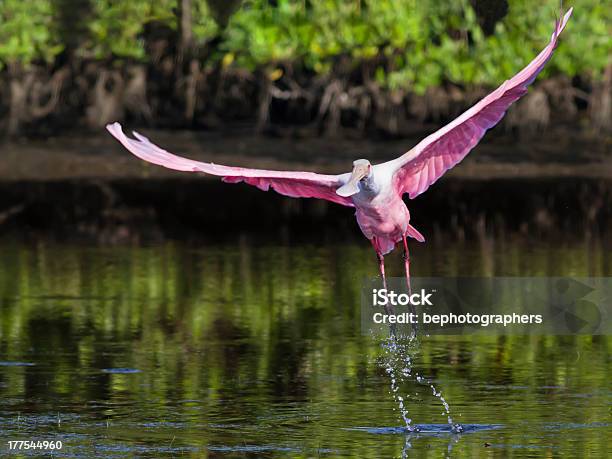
<point x="288" y="183"/>
<point x="417" y="169"/>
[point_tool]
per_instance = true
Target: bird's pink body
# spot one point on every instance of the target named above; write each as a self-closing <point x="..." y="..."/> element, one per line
<point x="385" y="219"/>
<point x="374" y="190"/>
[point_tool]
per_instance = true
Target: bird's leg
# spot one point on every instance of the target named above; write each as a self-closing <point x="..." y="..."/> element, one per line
<point x="407" y="264"/>
<point x="381" y="266"/>
<point x="381" y="261"/>
<point x="389" y="309"/>
<point x="407" y="268"/>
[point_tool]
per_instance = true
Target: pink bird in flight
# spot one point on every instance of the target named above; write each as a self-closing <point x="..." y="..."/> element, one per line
<point x="375" y="191"/>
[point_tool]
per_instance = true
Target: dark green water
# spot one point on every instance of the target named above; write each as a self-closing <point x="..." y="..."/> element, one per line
<point x="250" y="351"/>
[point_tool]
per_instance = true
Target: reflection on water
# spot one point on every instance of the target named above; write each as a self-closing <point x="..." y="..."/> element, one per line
<point x="240" y="351"/>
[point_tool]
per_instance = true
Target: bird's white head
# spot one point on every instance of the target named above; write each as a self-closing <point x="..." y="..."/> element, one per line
<point x="362" y="169"/>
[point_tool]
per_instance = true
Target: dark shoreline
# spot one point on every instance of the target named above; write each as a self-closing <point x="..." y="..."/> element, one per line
<point x="558" y="152"/>
<point x="89" y="187"/>
<point x="120" y="211"/>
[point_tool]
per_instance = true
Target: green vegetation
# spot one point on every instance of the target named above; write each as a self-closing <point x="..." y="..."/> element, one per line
<point x="400" y="43"/>
<point x="26" y="32"/>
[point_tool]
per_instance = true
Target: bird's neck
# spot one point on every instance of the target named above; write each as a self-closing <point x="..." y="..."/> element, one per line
<point x="369" y="186"/>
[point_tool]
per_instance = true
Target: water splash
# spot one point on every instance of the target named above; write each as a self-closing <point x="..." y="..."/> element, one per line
<point x="398" y="365"/>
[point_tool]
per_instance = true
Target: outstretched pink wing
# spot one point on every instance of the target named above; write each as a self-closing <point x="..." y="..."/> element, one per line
<point x="294" y="184"/>
<point x="417" y="169"/>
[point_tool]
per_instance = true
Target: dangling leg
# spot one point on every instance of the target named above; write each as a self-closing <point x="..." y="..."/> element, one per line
<point x="407" y="268"/>
<point x="389" y="309"/>
<point x="381" y="266"/>
<point x="381" y="261"/>
<point x="407" y="264"/>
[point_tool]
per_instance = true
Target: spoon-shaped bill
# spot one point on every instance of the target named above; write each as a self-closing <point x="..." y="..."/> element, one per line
<point x="352" y="186"/>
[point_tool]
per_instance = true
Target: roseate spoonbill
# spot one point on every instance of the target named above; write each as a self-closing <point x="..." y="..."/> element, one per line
<point x="375" y="191"/>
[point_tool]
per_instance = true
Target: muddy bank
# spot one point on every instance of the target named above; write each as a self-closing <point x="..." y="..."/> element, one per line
<point x="90" y="187"/>
<point x="557" y="153"/>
